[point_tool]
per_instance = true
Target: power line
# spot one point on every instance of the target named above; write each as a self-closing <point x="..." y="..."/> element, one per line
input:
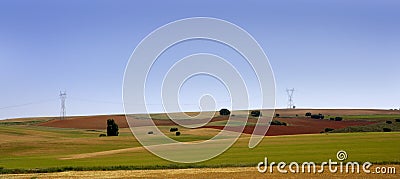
<point x="27" y="104"/>
<point x="95" y="101"/>
<point x="151" y="104"/>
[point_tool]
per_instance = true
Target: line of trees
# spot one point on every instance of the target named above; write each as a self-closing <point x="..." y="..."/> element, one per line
<point x="321" y="116"/>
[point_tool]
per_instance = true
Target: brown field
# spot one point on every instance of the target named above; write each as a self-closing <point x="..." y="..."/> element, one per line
<point x="296" y="125"/>
<point x="87" y="122"/>
<point x="232" y="172"/>
<point x="333" y="112"/>
<point x="299" y="126"/>
<point x="98" y="122"/>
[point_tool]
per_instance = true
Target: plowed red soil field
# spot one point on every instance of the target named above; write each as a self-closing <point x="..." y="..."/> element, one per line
<point x="100" y="122"/>
<point x="299" y="126"/>
<point x="296" y="125"/>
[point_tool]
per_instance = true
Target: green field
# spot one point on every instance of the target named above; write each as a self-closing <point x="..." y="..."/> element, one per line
<point x="376" y="117"/>
<point x="33" y="147"/>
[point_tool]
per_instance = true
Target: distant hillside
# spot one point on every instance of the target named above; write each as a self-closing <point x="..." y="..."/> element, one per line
<point x="99" y="122"/>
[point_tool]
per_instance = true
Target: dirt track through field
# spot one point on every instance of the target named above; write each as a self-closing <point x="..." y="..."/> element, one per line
<point x="102" y="153"/>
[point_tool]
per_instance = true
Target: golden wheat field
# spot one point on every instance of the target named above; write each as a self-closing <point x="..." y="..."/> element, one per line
<point x="232" y="172"/>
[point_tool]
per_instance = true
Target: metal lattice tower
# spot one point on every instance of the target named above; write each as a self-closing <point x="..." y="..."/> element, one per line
<point x="290" y="98"/>
<point x="63" y="96"/>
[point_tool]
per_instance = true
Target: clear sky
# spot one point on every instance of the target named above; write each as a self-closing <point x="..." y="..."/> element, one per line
<point x="335" y="53"/>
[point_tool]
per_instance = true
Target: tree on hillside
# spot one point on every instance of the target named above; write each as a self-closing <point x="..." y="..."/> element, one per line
<point x="255" y="113"/>
<point x="112" y="128"/>
<point x="224" y="112"/>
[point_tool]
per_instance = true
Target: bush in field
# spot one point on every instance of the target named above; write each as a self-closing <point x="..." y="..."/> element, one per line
<point x="224" y="112"/>
<point x="150" y="132"/>
<point x="173" y="129"/>
<point x="387" y="129"/>
<point x="102" y="135"/>
<point x="308" y="114"/>
<point x="278" y="123"/>
<point x="317" y="116"/>
<point x="332" y="118"/>
<point x="112" y="128"/>
<point x="277" y="115"/>
<point x="255" y="113"/>
<point x="178" y="133"/>
<point x="314" y="116"/>
<point x="388" y="122"/>
<point x="397" y="120"/>
<point x="328" y="129"/>
<point x="338" y="118"/>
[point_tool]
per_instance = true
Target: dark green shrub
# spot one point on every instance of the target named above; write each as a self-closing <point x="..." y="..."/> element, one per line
<point x="173" y="129"/>
<point x="338" y="118"/>
<point x="317" y="116"/>
<point x="308" y="114"/>
<point x="102" y="135"/>
<point x="388" y="122"/>
<point x="178" y="133"/>
<point x="150" y="132"/>
<point x="328" y="129"/>
<point x="332" y="118"/>
<point x="277" y="115"/>
<point x="397" y="120"/>
<point x="224" y="112"/>
<point x="387" y="129"/>
<point x="278" y="123"/>
<point x="112" y="128"/>
<point x="255" y="113"/>
<point x="314" y="116"/>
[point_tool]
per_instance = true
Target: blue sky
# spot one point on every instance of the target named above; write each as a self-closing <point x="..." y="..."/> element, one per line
<point x="335" y="53"/>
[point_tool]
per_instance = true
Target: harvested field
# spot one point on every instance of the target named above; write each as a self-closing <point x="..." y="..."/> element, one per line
<point x="296" y="125"/>
<point x="231" y="172"/>
<point x="87" y="122"/>
<point x="99" y="122"/>
<point x="299" y="126"/>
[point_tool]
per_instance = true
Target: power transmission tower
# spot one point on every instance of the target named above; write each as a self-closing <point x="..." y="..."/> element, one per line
<point x="63" y="96"/>
<point x="290" y="98"/>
